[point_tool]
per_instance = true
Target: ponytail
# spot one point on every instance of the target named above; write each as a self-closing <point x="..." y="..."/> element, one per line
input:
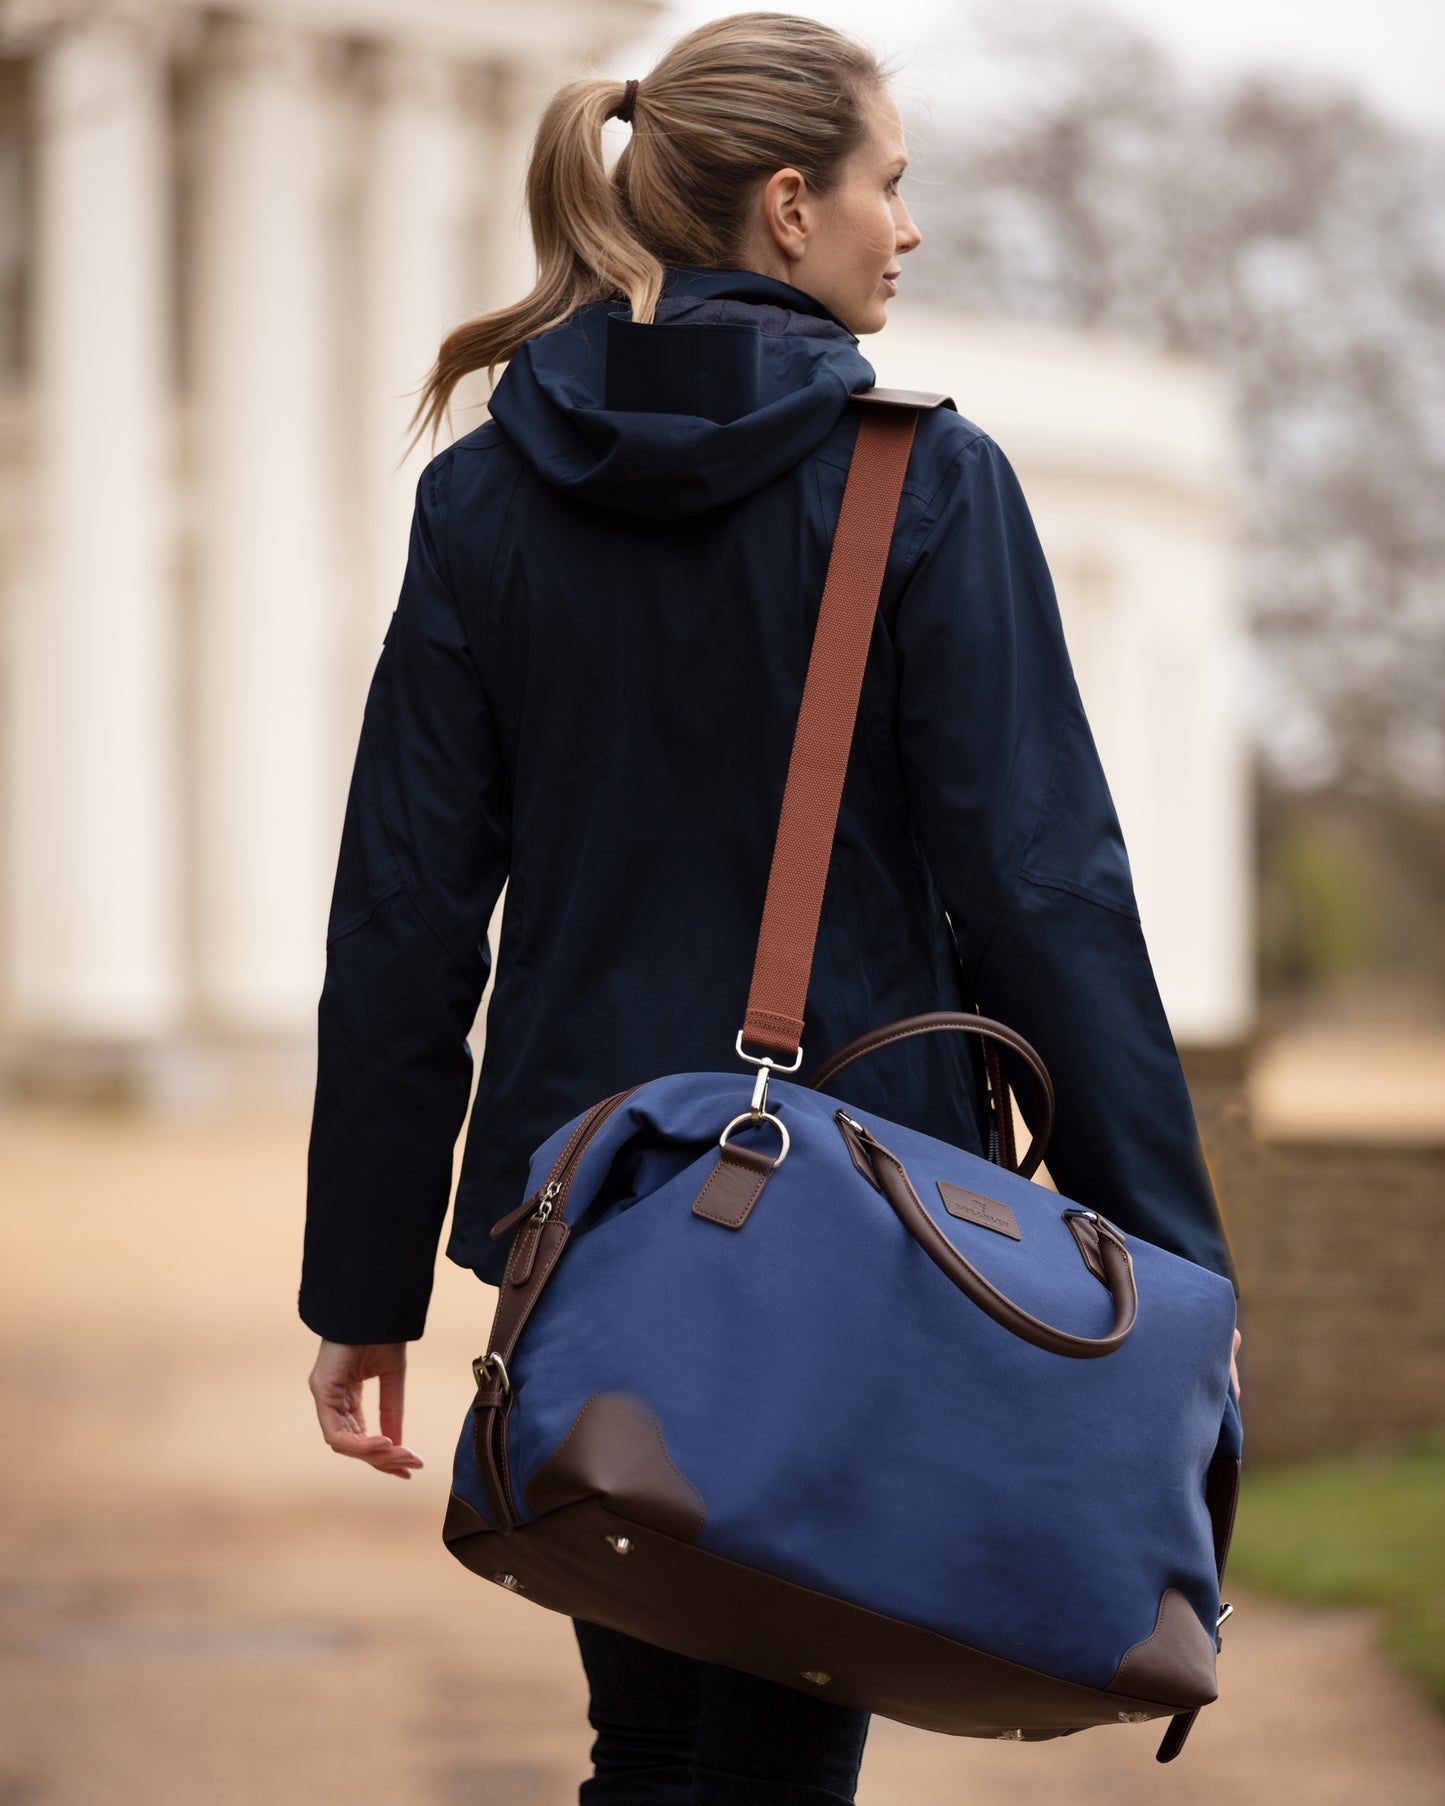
<point x="724" y="107"/>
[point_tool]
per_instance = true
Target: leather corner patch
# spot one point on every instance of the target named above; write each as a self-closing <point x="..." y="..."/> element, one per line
<point x="973" y="1207"/>
<point x="615" y="1450"/>
<point x="1174" y="1663"/>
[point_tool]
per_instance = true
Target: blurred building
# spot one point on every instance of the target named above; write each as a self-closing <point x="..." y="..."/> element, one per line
<point x="230" y="240"/>
<point x="1131" y="462"/>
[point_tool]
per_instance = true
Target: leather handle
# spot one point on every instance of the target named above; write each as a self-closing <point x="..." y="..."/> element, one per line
<point x="1094" y="1237"/>
<point x="932" y="1022"/>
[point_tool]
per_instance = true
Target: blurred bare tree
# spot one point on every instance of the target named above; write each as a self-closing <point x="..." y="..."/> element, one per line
<point x="1292" y="235"/>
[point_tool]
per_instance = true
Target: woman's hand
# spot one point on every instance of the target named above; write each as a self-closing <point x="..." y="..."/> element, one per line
<point x="336" y="1381"/>
<point x="1233" y="1369"/>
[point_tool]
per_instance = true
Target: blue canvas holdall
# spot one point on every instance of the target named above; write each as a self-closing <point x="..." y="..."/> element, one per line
<point x="778" y="1383"/>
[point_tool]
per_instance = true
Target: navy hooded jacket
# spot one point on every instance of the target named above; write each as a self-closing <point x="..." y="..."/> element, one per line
<point x="588" y="691"/>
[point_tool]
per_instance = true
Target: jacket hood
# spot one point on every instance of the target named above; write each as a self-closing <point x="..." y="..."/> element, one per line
<point x="738" y="377"/>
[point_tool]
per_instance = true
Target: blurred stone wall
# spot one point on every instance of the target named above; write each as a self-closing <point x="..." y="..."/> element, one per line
<point x="1340" y="1247"/>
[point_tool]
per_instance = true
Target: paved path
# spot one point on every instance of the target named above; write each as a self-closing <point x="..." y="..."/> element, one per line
<point x="200" y="1606"/>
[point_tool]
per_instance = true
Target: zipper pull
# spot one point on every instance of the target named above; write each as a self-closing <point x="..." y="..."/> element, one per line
<point x="532" y="1236"/>
<point x="513" y="1217"/>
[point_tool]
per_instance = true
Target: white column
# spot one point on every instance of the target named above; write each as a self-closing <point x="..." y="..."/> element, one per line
<point x="267" y="820"/>
<point x="96" y="937"/>
<point x="516" y="94"/>
<point x="420" y="173"/>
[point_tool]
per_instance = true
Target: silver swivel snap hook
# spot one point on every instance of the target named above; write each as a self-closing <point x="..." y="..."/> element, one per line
<point x="757" y="1110"/>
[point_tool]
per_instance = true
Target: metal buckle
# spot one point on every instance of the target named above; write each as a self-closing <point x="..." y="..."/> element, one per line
<point x="758" y="1107"/>
<point x="483" y="1363"/>
<point x="767" y="1060"/>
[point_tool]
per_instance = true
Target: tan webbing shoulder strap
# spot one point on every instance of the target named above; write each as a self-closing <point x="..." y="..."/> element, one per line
<point x="813" y="789"/>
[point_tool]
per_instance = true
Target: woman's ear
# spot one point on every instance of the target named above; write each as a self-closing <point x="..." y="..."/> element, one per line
<point x="785" y="211"/>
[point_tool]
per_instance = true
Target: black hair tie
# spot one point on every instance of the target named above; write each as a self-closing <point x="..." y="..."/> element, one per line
<point x="625" y="110"/>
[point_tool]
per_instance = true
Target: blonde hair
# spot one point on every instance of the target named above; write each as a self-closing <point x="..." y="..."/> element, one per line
<point x="721" y="109"/>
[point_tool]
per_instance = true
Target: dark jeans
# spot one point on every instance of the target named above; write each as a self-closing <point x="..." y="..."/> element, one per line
<point x="672" y="1731"/>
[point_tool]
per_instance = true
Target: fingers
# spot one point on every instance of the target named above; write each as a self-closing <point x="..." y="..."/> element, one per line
<point x="380" y="1452"/>
<point x="336" y="1387"/>
<point x="393" y="1388"/>
<point x="346" y="1437"/>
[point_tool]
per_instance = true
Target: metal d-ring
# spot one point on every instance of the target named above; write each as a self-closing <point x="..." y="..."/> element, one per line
<point x="759" y="1116"/>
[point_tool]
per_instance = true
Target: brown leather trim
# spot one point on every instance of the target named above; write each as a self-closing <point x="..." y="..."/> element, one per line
<point x="540" y="1236"/>
<point x="813" y="787"/>
<point x="897" y="1187"/>
<point x="515" y="1303"/>
<point x="615" y="1450"/>
<point x="905" y="398"/>
<point x="973" y="1207"/>
<point x="523" y="1253"/>
<point x="1176" y="1731"/>
<point x="1221" y="1494"/>
<point x="565" y="1165"/>
<point x="1175" y="1661"/>
<point x="682" y="1597"/>
<point x="462" y="1520"/>
<point x="934" y="1022"/>
<point x="489" y="1444"/>
<point x="734" y="1185"/>
<point x="1085" y="1234"/>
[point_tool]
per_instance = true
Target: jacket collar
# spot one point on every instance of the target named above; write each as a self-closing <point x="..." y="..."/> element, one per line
<point x="685" y="280"/>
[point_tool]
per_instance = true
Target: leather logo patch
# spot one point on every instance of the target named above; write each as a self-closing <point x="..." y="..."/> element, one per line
<point x="974" y="1208"/>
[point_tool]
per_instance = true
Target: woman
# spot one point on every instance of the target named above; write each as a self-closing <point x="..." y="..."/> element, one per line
<point x="589" y="689"/>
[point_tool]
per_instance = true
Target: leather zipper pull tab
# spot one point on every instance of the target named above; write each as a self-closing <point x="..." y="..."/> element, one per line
<point x="526" y="1253"/>
<point x="513" y="1217"/>
<point x="535" y="1202"/>
<point x="527" y="1243"/>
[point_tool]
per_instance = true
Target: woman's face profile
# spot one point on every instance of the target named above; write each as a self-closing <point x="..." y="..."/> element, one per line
<point x="842" y="248"/>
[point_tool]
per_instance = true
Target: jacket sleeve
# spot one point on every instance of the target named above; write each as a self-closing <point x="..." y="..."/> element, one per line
<point x="424" y="853"/>
<point x="1013" y="815"/>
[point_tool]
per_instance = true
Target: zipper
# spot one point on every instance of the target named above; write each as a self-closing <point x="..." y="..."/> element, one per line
<point x="554" y="1193"/>
<point x="561" y="1175"/>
